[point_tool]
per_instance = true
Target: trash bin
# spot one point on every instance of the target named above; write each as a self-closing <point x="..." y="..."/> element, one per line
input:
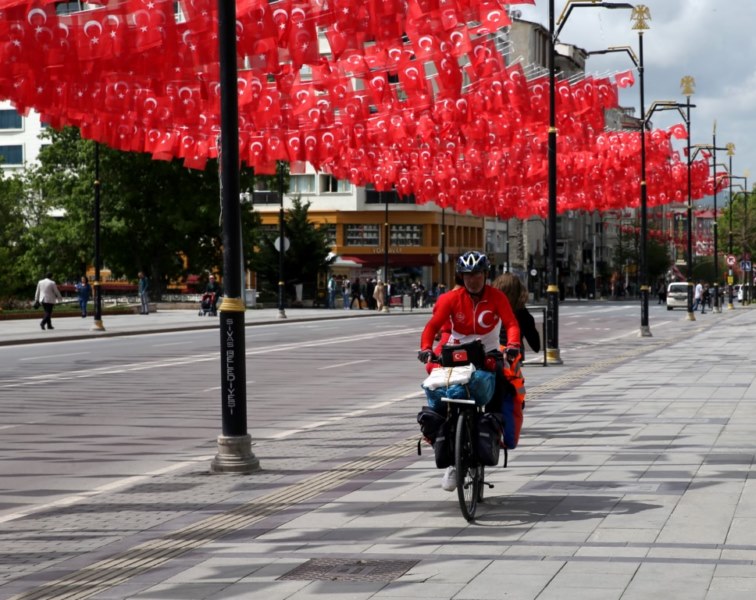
<point x="250" y="298"/>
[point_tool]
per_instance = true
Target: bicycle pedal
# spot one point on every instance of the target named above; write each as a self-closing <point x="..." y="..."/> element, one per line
<point x="490" y="485"/>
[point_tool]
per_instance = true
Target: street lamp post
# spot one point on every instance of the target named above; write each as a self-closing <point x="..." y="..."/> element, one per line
<point x="730" y="305"/>
<point x="97" y="325"/>
<point x="552" y="291"/>
<point x="662" y="105"/>
<point x="641" y="15"/>
<point x="443" y="249"/>
<point x="235" y="444"/>
<point x="688" y="85"/>
<point x="713" y="148"/>
<point x="281" y="244"/>
<point x="744" y="188"/>
<point x="386" y="283"/>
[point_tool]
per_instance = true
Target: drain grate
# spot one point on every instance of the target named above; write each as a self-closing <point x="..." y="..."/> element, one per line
<point x="338" y="569"/>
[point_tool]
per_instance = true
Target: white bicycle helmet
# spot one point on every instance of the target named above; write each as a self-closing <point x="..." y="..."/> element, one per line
<point x="473" y="262"/>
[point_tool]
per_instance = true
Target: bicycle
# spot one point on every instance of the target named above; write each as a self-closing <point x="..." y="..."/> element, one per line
<point x="470" y="471"/>
<point x="463" y="418"/>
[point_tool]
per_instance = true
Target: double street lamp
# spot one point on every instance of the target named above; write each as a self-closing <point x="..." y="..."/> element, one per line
<point x="97" y="325"/>
<point x="713" y="149"/>
<point x="746" y="193"/>
<point x="641" y="15"/>
<point x="552" y="291"/>
<point x="666" y="105"/>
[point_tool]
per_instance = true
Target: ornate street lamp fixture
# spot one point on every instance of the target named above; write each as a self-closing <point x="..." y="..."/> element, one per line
<point x="552" y="291"/>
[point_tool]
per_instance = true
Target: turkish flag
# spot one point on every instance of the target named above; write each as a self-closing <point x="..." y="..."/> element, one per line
<point x="678" y="131"/>
<point x="625" y="79"/>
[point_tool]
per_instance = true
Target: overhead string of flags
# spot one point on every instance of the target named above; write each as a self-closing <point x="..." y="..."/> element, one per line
<point x="413" y="95"/>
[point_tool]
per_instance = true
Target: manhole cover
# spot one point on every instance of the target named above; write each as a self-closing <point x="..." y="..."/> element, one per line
<point x="336" y="569"/>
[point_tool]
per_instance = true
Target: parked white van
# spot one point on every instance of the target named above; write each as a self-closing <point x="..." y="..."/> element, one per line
<point x="677" y="295"/>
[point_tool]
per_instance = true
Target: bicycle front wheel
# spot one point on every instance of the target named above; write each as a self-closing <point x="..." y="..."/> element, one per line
<point x="468" y="473"/>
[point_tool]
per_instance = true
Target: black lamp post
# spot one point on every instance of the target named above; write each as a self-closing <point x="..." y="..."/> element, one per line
<point x="662" y="105"/>
<point x="713" y="149"/>
<point x="235" y="444"/>
<point x="281" y="244"/>
<point x="640" y="16"/>
<point x="745" y="256"/>
<point x="730" y="305"/>
<point x="552" y="291"/>
<point x="386" y="232"/>
<point x="687" y="84"/>
<point x="443" y="250"/>
<point x="97" y="325"/>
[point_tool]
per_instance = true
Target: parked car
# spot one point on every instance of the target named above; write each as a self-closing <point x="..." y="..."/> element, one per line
<point x="677" y="295"/>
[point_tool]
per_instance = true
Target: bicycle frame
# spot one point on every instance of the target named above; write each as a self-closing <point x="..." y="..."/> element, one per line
<point x="470" y="471"/>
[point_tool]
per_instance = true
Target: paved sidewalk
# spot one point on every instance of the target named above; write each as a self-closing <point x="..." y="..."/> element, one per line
<point x="633" y="480"/>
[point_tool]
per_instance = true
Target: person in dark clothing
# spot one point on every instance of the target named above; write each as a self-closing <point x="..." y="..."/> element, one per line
<point x="517" y="294"/>
<point x="213" y="287"/>
<point x="356" y="293"/>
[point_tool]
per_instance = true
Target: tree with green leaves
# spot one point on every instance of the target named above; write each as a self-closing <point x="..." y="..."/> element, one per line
<point x="308" y="253"/>
<point x="156" y="216"/>
<point x="12" y="234"/>
<point x="743" y="209"/>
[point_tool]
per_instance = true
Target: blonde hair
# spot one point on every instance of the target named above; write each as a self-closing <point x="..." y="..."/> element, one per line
<point x="513" y="289"/>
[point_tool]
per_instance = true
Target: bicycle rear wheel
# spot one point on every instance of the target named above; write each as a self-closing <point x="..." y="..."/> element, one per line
<point x="468" y="472"/>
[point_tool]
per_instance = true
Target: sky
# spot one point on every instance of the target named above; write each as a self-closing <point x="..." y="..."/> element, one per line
<point x="711" y="40"/>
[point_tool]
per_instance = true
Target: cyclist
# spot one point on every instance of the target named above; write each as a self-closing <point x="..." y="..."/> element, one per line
<point x="476" y="311"/>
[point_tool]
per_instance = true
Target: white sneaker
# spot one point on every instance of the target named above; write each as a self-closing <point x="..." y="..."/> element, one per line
<point x="449" y="480"/>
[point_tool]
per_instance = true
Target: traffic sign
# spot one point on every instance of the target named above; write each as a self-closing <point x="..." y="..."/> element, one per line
<point x="731" y="260"/>
<point x="745" y="265"/>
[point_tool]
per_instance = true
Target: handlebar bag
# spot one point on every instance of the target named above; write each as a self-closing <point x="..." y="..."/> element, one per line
<point x="454" y="355"/>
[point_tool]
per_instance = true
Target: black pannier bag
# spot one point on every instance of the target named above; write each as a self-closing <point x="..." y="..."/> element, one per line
<point x="489" y="434"/>
<point x="457" y="355"/>
<point x="431" y="422"/>
<point x="438" y="430"/>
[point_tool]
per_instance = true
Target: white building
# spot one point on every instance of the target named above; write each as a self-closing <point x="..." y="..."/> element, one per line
<point x="19" y="138"/>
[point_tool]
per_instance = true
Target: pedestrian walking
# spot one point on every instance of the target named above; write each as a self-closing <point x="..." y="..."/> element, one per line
<point x="698" y="297"/>
<point x="47" y="295"/>
<point x="144" y="294"/>
<point x="379" y="295"/>
<point x="83" y="292"/>
<point x="346" y="291"/>
<point x="332" y="285"/>
<point x="356" y="293"/>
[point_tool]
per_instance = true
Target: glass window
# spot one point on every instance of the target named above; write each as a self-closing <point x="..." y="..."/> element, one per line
<point x="9" y="119"/>
<point x="329" y="184"/>
<point x="302" y="184"/>
<point x="270" y="231"/>
<point x="406" y="235"/>
<point x="12" y="155"/>
<point x="361" y="235"/>
<point x="330" y="233"/>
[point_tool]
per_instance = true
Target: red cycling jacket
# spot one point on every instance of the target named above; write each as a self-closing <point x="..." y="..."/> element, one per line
<point x="470" y="320"/>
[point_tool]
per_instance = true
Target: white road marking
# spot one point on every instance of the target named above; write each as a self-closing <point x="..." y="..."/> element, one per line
<point x="60" y="355"/>
<point x="353" y="362"/>
<point x="336" y="418"/>
<point x="188" y="360"/>
<point x="108" y="487"/>
<point x="169" y="344"/>
<point x="215" y="389"/>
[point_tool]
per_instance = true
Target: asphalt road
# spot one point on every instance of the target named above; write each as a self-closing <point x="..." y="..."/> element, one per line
<point x="85" y="416"/>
